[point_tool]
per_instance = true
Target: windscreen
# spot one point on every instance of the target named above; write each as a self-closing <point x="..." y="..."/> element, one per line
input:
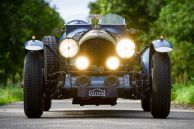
<point x="112" y="19"/>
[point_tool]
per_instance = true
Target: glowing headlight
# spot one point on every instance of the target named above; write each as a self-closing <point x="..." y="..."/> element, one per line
<point x="112" y="63"/>
<point x="68" y="48"/>
<point x="82" y="62"/>
<point x="125" y="48"/>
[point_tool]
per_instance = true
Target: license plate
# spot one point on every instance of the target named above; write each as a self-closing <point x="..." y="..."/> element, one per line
<point x="96" y="92"/>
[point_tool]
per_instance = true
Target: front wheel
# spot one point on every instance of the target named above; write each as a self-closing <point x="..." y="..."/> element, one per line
<point x="161" y="85"/>
<point x="33" y="84"/>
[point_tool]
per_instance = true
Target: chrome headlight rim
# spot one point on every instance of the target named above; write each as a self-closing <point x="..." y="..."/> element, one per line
<point x="70" y="55"/>
<point x="125" y="48"/>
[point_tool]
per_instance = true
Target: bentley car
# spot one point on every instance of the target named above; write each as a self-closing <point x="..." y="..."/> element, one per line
<point x="94" y="62"/>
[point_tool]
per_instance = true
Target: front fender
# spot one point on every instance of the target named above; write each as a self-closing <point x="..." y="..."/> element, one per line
<point x="162" y="45"/>
<point x="145" y="57"/>
<point x="34" y="45"/>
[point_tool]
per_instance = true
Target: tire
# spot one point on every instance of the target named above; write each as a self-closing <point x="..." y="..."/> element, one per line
<point x="51" y="61"/>
<point x="47" y="104"/>
<point x="33" y="84"/>
<point x="161" y="85"/>
<point x="145" y="103"/>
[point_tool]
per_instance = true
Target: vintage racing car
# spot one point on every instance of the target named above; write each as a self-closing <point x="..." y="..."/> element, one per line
<point x="94" y="62"/>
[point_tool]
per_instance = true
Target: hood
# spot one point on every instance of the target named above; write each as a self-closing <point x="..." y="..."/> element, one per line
<point x="97" y="34"/>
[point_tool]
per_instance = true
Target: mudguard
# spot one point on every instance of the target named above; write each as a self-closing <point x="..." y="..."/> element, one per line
<point x="162" y="45"/>
<point x="145" y="62"/>
<point x="34" y="45"/>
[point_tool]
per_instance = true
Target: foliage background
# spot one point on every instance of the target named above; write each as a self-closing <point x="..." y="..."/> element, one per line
<point x="19" y="20"/>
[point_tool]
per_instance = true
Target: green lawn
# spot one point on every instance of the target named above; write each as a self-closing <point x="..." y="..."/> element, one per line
<point x="10" y="94"/>
<point x="183" y="94"/>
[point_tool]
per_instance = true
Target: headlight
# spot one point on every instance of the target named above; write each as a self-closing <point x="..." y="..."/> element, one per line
<point x="68" y="48"/>
<point x="82" y="62"/>
<point x="125" y="48"/>
<point x="112" y="63"/>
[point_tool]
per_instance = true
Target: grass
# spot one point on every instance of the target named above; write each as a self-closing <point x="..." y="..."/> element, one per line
<point x="10" y="94"/>
<point x="183" y="94"/>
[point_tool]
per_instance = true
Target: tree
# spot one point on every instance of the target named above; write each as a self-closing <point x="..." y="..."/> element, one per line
<point x="176" y="23"/>
<point x="20" y="19"/>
